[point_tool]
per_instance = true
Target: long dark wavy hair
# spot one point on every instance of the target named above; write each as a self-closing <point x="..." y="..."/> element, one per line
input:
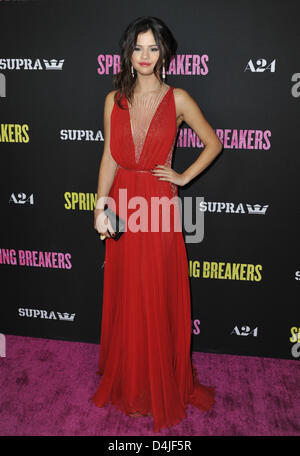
<point x="123" y="81"/>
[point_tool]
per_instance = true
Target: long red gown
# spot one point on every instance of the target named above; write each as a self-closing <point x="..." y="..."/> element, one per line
<point x="144" y="359"/>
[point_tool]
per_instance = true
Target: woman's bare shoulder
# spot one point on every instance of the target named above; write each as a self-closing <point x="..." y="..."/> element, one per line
<point x="181" y="97"/>
<point x="181" y="94"/>
<point x="109" y="101"/>
<point x="111" y="95"/>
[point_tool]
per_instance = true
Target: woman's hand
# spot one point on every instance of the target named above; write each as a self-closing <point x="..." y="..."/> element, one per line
<point x="102" y="223"/>
<point x="168" y="174"/>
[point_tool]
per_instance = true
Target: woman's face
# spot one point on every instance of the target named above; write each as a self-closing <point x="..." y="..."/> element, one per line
<point x="145" y="51"/>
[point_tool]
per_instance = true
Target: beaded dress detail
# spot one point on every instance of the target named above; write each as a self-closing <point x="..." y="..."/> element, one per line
<point x="145" y="359"/>
<point x="141" y="112"/>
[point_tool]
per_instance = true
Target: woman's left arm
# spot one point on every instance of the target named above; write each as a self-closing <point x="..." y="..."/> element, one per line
<point x="190" y="113"/>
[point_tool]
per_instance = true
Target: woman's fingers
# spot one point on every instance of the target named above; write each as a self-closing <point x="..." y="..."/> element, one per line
<point x="162" y="171"/>
<point x="103" y="225"/>
<point x="109" y="228"/>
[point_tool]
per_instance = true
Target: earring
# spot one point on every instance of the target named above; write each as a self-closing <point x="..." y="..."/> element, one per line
<point x="132" y="71"/>
<point x="163" y="73"/>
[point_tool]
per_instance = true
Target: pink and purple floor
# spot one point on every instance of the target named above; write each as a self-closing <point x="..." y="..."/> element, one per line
<point x="46" y="385"/>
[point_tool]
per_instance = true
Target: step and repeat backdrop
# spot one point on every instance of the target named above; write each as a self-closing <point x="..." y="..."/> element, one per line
<point x="240" y="62"/>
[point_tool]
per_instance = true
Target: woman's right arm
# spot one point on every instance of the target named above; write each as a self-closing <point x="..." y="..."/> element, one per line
<point x="107" y="170"/>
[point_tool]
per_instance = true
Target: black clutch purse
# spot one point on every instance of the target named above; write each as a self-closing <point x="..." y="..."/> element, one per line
<point x="117" y="223"/>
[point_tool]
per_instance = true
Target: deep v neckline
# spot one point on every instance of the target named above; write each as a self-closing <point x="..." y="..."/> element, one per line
<point x="149" y="127"/>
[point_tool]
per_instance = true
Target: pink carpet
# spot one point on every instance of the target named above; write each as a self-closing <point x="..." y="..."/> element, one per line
<point x="46" y="386"/>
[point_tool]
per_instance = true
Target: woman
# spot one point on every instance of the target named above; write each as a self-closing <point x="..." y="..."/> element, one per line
<point x="144" y="358"/>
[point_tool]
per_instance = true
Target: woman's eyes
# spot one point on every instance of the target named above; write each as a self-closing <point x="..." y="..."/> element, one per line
<point x="152" y="49"/>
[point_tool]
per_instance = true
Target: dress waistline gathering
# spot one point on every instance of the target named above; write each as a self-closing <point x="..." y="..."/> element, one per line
<point x="136" y="170"/>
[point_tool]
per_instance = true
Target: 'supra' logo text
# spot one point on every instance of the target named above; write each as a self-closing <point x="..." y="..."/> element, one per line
<point x="48" y="315"/>
<point x="29" y="64"/>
